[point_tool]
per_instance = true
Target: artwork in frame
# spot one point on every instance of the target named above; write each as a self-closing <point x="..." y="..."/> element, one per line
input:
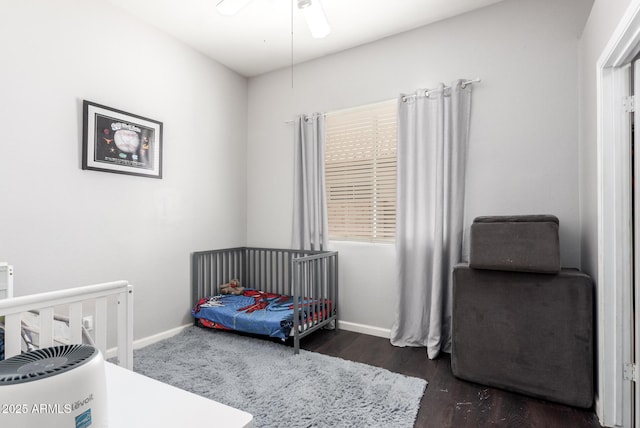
<point x="120" y="142"/>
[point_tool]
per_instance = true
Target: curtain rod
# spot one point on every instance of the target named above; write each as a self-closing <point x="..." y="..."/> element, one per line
<point x="426" y="93"/>
<point x="346" y="109"/>
<point x="405" y="98"/>
<point x="306" y="116"/>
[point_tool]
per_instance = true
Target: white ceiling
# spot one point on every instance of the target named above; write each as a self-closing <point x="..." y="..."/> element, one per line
<point x="259" y="38"/>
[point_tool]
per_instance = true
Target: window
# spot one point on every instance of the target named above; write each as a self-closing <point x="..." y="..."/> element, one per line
<point x="360" y="173"/>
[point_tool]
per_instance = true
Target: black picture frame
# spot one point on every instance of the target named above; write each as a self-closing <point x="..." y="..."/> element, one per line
<point x="120" y="142"/>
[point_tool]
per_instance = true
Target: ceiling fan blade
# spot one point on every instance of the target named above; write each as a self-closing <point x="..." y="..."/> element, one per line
<point x="316" y="18"/>
<point x="231" y="7"/>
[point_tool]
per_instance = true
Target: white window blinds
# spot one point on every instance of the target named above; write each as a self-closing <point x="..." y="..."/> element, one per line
<point x="360" y="173"/>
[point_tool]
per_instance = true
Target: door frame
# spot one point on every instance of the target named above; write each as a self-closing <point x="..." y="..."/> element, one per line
<point x="615" y="395"/>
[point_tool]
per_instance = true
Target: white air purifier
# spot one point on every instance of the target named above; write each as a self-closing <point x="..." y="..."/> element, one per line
<point x="57" y="387"/>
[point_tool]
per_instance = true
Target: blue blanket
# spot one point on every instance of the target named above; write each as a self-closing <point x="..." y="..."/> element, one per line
<point x="254" y="312"/>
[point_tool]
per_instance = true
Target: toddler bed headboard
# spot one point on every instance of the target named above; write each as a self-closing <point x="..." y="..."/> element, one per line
<point x="303" y="274"/>
<point x="268" y="269"/>
<point x="98" y="295"/>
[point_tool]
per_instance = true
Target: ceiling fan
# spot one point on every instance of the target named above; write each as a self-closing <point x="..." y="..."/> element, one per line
<point x="311" y="9"/>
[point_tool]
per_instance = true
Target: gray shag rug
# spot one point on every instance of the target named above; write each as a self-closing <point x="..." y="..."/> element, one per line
<point x="278" y="388"/>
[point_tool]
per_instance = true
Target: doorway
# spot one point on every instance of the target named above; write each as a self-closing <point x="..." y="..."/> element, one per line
<point x="618" y="398"/>
<point x="635" y="241"/>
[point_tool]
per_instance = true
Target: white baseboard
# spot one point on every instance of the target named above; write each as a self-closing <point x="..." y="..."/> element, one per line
<point x="364" y="329"/>
<point x="145" y="341"/>
<point x="342" y="325"/>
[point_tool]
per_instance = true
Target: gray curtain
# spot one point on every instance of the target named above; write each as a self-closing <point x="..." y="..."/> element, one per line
<point x="310" y="225"/>
<point x="432" y="150"/>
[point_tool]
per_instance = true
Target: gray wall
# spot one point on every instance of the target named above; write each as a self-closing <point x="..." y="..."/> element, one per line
<point x="524" y="130"/>
<point x="67" y="227"/>
<point x="62" y="226"/>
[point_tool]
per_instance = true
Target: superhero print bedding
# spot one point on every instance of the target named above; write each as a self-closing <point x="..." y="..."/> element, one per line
<point x="257" y="312"/>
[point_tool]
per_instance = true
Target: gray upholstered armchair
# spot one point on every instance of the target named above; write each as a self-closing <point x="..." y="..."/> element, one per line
<point x="520" y="322"/>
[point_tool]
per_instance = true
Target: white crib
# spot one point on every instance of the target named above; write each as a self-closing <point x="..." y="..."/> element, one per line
<point x="123" y="386"/>
<point x="48" y="306"/>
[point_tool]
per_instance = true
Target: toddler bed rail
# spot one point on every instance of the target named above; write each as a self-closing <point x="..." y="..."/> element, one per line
<point x="44" y="304"/>
<point x="311" y="277"/>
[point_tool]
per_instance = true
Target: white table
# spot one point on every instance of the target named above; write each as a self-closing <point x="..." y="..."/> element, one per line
<point x="139" y="401"/>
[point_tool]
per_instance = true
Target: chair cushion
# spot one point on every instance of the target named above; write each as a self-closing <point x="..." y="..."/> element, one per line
<point x="528" y="243"/>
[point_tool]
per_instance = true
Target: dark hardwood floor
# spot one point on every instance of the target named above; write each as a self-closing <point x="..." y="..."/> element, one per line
<point x="448" y="401"/>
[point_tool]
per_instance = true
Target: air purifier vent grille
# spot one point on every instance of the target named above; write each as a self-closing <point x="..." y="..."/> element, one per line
<point x="45" y="362"/>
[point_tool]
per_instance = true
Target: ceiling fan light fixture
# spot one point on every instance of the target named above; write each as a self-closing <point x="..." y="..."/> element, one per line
<point x="231" y="7"/>
<point x="316" y="18"/>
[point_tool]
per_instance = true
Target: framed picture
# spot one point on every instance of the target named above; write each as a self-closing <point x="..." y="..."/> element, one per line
<point x="120" y="142"/>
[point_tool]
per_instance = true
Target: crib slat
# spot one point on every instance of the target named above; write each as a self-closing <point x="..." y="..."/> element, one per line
<point x="75" y="322"/>
<point x="214" y="276"/>
<point x="100" y="324"/>
<point x="279" y="271"/>
<point x="46" y="328"/>
<point x="307" y="290"/>
<point x="267" y="271"/>
<point x="12" y="337"/>
<point x="125" y="329"/>
<point x="312" y="292"/>
<point x="223" y="259"/>
<point x="251" y="263"/>
<point x="323" y="291"/>
<point x="260" y="270"/>
<point x="316" y="290"/>
<point x="204" y="285"/>
<point x="234" y="267"/>
<point x="297" y="278"/>
<point x="286" y="273"/>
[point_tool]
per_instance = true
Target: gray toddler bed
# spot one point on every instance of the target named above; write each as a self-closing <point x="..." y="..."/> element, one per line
<point x="286" y="292"/>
